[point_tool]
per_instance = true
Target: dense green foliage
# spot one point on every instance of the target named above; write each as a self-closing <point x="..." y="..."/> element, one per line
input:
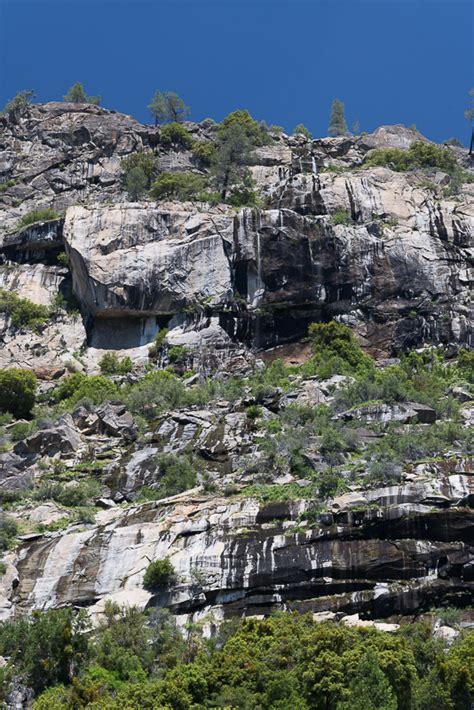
<point x="419" y="155"/>
<point x="8" y="531"/>
<point x="175" y="136"/>
<point x="204" y="152"/>
<point x="255" y="132"/>
<point x="341" y="216"/>
<point x="337" y="121"/>
<point x="111" y="364"/>
<point x="238" y="135"/>
<point x="336" y="350"/>
<point x="177" y="474"/>
<point x="19" y="102"/>
<point x="22" y="312"/>
<point x="45" y="215"/>
<point x="301" y="130"/>
<point x="140" y="661"/>
<point x="139" y="170"/>
<point x="17" y="391"/>
<point x="178" y="186"/>
<point x="78" y="387"/>
<point x="158" y="575"/>
<point x="77" y="95"/>
<point x="168" y="106"/>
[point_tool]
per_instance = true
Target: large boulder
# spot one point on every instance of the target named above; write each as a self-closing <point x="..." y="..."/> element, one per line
<point x="62" y="439"/>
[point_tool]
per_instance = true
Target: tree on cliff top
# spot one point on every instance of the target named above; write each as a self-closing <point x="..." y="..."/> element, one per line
<point x="19" y="102"/>
<point x="77" y="95"/>
<point x="337" y="121"/>
<point x="168" y="106"/>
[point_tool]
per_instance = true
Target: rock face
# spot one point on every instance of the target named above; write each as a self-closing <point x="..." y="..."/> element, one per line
<point x="251" y="558"/>
<point x="387" y="253"/>
<point x="396" y="268"/>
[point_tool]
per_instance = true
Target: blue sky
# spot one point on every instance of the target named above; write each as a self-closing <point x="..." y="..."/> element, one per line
<point x="390" y="61"/>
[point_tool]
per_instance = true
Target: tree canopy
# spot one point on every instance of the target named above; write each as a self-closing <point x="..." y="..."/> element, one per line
<point x="77" y="95"/>
<point x="168" y="106"/>
<point x="337" y="121"/>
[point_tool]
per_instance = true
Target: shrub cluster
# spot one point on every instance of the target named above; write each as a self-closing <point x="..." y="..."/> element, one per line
<point x="139" y="170"/>
<point x="158" y="575"/>
<point x="17" y="391"/>
<point x="111" y="364"/>
<point x="419" y="155"/>
<point x="44" y="215"/>
<point x="178" y="186"/>
<point x="23" y="312"/>
<point x="138" y="660"/>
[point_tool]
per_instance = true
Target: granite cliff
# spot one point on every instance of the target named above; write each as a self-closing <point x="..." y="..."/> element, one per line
<point x="387" y="253"/>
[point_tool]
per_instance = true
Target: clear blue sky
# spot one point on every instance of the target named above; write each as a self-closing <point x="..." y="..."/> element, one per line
<point x="390" y="61"/>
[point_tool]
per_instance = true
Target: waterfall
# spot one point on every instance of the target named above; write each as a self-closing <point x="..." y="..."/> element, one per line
<point x="314" y="167"/>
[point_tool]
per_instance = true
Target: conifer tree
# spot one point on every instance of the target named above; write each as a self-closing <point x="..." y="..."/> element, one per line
<point x="337" y="121"/>
<point x="168" y="106"/>
<point x="302" y="130"/>
<point x="77" y="95"/>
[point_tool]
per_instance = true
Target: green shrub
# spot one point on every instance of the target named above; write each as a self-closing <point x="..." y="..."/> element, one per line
<point x="301" y="130"/>
<point x="174" y="135"/>
<point x="336" y="350"/>
<point x="341" y="216"/>
<point x="4" y="186"/>
<point x="17" y="391"/>
<point x="46" y="648"/>
<point x="80" y="494"/>
<point x="253" y="411"/>
<point x="77" y="387"/>
<point x="159" y="574"/>
<point x="177" y="353"/>
<point x="22" y="312"/>
<point x="110" y="364"/>
<point x="204" y="152"/>
<point x="19" y="102"/>
<point x="136" y="184"/>
<point x="8" y="531"/>
<point x="158" y="391"/>
<point x="179" y="186"/>
<point x="21" y="430"/>
<point x="243" y="197"/>
<point x="466" y="364"/>
<point x="62" y="259"/>
<point x="177" y="474"/>
<point x="147" y="162"/>
<point x="257" y="133"/>
<point x="139" y="170"/>
<point x="419" y="155"/>
<point x="44" y="215"/>
<point x="159" y="342"/>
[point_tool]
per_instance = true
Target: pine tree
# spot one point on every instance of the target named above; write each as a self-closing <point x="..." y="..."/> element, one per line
<point x="177" y="108"/>
<point x="168" y="106"/>
<point x="19" y="102"/>
<point x="337" y="122"/>
<point x="302" y="130"/>
<point x="77" y="95"/>
<point x="233" y="155"/>
<point x="136" y="183"/>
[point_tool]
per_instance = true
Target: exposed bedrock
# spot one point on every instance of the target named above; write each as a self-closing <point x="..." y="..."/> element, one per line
<point x="404" y="549"/>
<point x="267" y="274"/>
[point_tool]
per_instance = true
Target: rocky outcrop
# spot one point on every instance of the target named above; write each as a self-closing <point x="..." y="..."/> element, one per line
<point x="242" y="556"/>
<point x="396" y="266"/>
<point x="387" y="253"/>
<point x="401" y="283"/>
